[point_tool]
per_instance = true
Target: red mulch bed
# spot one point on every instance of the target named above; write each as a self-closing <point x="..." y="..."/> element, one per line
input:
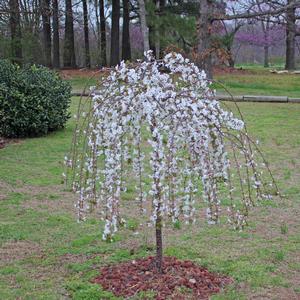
<point x="129" y="278"/>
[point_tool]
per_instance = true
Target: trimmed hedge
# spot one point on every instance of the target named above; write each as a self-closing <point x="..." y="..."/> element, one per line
<point x="33" y="100"/>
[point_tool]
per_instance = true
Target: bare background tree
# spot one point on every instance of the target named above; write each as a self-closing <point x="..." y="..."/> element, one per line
<point x="93" y="33"/>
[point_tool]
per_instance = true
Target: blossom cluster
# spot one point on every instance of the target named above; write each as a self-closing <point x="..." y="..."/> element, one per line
<point x="169" y="108"/>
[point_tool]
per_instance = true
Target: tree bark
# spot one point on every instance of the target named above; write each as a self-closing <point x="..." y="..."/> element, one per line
<point x="69" y="48"/>
<point x="157" y="33"/>
<point x="103" y="33"/>
<point x="159" y="245"/>
<point x="144" y="27"/>
<point x="266" y="29"/>
<point x="45" y="8"/>
<point x="157" y="197"/>
<point x="231" y="61"/>
<point x="86" y="34"/>
<point x="55" y="22"/>
<point x="126" y="50"/>
<point x="115" y="34"/>
<point x="290" y="37"/>
<point x="204" y="37"/>
<point x="266" y="57"/>
<point x="15" y="31"/>
<point x="98" y="58"/>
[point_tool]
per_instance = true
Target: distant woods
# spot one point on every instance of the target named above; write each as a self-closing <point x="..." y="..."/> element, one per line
<point x="100" y="33"/>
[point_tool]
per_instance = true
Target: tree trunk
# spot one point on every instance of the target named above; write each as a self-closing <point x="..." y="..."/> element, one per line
<point x="69" y="48"/>
<point x="159" y="246"/>
<point x="144" y="27"/>
<point x="126" y="51"/>
<point x="204" y="37"/>
<point x="45" y="8"/>
<point x="290" y="37"/>
<point x="86" y="35"/>
<point x="157" y="206"/>
<point x="55" y="22"/>
<point x="266" y="56"/>
<point x="157" y="32"/>
<point x="103" y="33"/>
<point x="15" y="31"/>
<point x="98" y="58"/>
<point x="115" y="33"/>
<point x="266" y="29"/>
<point x="231" y="61"/>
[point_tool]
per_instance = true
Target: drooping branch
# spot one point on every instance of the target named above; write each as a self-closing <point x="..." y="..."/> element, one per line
<point x="170" y="128"/>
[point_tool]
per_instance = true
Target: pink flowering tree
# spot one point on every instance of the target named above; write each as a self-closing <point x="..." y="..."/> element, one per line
<point x="198" y="150"/>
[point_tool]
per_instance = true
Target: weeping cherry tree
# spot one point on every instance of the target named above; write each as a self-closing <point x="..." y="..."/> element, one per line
<point x="199" y="151"/>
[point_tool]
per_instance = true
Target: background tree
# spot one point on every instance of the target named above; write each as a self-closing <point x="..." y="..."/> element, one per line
<point x="103" y="33"/>
<point x="69" y="48"/>
<point x="115" y="33"/>
<point x="126" y="49"/>
<point x="204" y="37"/>
<point x="45" y="8"/>
<point x="144" y="26"/>
<point x="56" y="43"/>
<point x="86" y="34"/>
<point x="291" y="32"/>
<point x="15" y="31"/>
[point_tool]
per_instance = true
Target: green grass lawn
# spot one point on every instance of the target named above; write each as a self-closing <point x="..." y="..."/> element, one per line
<point x="79" y="83"/>
<point x="261" y="83"/>
<point x="253" y="82"/>
<point x="46" y="254"/>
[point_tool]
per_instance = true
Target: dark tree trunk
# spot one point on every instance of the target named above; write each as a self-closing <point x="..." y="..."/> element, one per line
<point x="159" y="245"/>
<point x="144" y="27"/>
<point x="162" y="5"/>
<point x="231" y="61"/>
<point x="69" y="48"/>
<point x="152" y="39"/>
<point x="15" y="31"/>
<point x="45" y="8"/>
<point x="266" y="56"/>
<point x="158" y="222"/>
<point x="103" y="33"/>
<point x="86" y="34"/>
<point x="126" y="51"/>
<point x="204" y="37"/>
<point x="266" y="29"/>
<point x="55" y="22"/>
<point x="115" y="32"/>
<point x="290" y="37"/>
<point x="96" y="5"/>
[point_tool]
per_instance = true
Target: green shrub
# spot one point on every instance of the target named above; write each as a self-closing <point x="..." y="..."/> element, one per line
<point x="33" y="100"/>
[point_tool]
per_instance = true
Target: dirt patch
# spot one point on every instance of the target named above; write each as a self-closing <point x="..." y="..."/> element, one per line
<point x="70" y="258"/>
<point x="64" y="203"/>
<point x="13" y="251"/>
<point x="223" y="70"/>
<point x="276" y="293"/>
<point x="4" y="142"/>
<point x="86" y="73"/>
<point x="5" y="188"/>
<point x="129" y="278"/>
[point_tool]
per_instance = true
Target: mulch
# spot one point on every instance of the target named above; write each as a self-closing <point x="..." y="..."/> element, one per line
<point x="180" y="279"/>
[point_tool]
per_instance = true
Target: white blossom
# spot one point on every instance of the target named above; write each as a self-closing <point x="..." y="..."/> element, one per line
<point x="187" y="132"/>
